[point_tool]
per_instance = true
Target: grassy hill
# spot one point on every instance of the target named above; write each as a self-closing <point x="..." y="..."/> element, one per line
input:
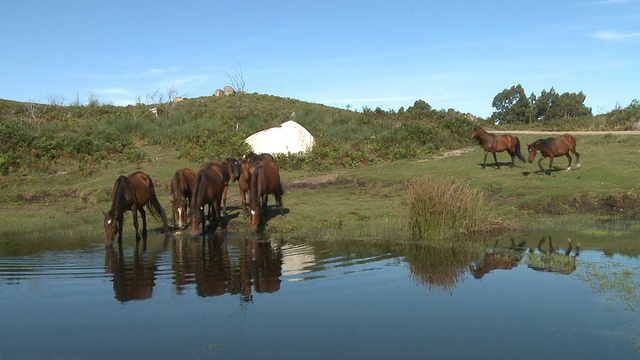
<point x="58" y="164"/>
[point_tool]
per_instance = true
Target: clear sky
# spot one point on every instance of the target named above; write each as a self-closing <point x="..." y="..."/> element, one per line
<point x="452" y="54"/>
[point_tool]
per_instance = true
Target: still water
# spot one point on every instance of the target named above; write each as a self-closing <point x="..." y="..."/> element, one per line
<point x="248" y="298"/>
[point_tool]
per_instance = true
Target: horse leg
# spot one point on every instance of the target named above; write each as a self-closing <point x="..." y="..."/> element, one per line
<point x="484" y="162"/>
<point x="265" y="199"/>
<point x="495" y="158"/>
<point x="224" y="200"/>
<point x="243" y="198"/>
<point x="577" y="157"/>
<point x="542" y="157"/>
<point x="134" y="213"/>
<point x="279" y="202"/>
<point x="550" y="165"/>
<point x="513" y="159"/>
<point x="120" y="227"/>
<point x="143" y="215"/>
<point x="569" y="158"/>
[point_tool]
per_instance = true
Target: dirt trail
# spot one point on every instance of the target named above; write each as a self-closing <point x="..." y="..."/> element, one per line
<point x="534" y="132"/>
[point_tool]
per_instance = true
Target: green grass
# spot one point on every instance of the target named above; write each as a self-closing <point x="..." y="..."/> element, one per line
<point x="366" y="202"/>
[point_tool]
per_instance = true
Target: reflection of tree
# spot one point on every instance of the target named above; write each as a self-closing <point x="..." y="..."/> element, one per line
<point x="211" y="266"/>
<point x="439" y="266"/>
<point x="131" y="281"/>
<point x="498" y="258"/>
<point x="551" y="261"/>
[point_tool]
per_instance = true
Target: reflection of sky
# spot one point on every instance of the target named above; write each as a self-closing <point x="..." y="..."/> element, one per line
<point x="355" y="306"/>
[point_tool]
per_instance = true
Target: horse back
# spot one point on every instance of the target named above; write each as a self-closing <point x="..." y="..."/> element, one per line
<point x="143" y="187"/>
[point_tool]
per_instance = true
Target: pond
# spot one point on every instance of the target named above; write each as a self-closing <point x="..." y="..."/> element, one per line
<point x="530" y="297"/>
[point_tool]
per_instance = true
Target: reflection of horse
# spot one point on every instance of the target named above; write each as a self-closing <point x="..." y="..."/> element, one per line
<point x="261" y="266"/>
<point x="265" y="180"/>
<point x="130" y="281"/>
<point x="132" y="192"/>
<point x="492" y="143"/>
<point x="247" y="166"/>
<point x="181" y="191"/>
<point x="208" y="188"/>
<point x="551" y="261"/>
<point x="208" y="265"/>
<point x="552" y="147"/>
<point x="498" y="259"/>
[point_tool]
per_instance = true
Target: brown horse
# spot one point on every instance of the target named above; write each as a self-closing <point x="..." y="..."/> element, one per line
<point x="492" y="143"/>
<point x="265" y="180"/>
<point x="181" y="191"/>
<point x="132" y="192"/>
<point x="231" y="172"/>
<point x="247" y="166"/>
<point x="208" y="189"/>
<point x="552" y="147"/>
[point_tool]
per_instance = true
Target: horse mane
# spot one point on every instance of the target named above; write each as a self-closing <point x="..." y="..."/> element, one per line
<point x="120" y="203"/>
<point x="254" y="198"/>
<point x="175" y="187"/>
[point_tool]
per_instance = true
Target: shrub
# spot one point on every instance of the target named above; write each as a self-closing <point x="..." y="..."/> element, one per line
<point x="445" y="209"/>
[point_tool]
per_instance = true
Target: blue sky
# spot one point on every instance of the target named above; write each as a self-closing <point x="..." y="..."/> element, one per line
<point x="452" y="54"/>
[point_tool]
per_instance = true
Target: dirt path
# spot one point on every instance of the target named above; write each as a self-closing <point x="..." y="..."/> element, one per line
<point x="533" y="132"/>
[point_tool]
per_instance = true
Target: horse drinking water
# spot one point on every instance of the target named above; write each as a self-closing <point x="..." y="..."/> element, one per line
<point x="552" y="147"/>
<point x="208" y="189"/>
<point x="132" y="192"/>
<point x="265" y="180"/>
<point x="181" y="191"/>
<point x="492" y="143"/>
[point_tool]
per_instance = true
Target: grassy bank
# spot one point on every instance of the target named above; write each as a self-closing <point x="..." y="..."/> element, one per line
<point x="367" y="202"/>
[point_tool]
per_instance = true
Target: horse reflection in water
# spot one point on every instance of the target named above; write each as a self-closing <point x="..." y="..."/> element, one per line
<point x="133" y="280"/>
<point x="551" y="261"/>
<point x="498" y="259"/>
<point x="507" y="258"/>
<point x="209" y="266"/>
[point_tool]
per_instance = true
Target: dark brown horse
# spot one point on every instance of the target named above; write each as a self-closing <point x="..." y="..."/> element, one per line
<point x="265" y="180"/>
<point x="231" y="172"/>
<point x="552" y="147"/>
<point x="181" y="191"/>
<point x="247" y="166"/>
<point x="492" y="143"/>
<point x="208" y="189"/>
<point x="132" y="192"/>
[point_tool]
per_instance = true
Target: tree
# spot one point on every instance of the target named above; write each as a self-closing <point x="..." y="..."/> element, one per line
<point x="512" y="105"/>
<point x="236" y="81"/>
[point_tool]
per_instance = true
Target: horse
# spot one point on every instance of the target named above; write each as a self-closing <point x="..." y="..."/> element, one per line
<point x="208" y="189"/>
<point x="552" y="147"/>
<point x="247" y="166"/>
<point x="132" y="192"/>
<point x="231" y="172"/>
<point x="492" y="143"/>
<point x="265" y="180"/>
<point x="181" y="191"/>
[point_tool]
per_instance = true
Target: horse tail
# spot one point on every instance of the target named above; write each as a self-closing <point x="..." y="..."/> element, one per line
<point x="518" y="153"/>
<point x="155" y="208"/>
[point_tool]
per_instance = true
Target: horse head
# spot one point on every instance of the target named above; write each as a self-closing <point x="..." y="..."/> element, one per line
<point x="110" y="227"/>
<point x="532" y="152"/>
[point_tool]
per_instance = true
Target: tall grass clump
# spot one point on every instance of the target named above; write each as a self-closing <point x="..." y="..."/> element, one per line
<point x="445" y="209"/>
